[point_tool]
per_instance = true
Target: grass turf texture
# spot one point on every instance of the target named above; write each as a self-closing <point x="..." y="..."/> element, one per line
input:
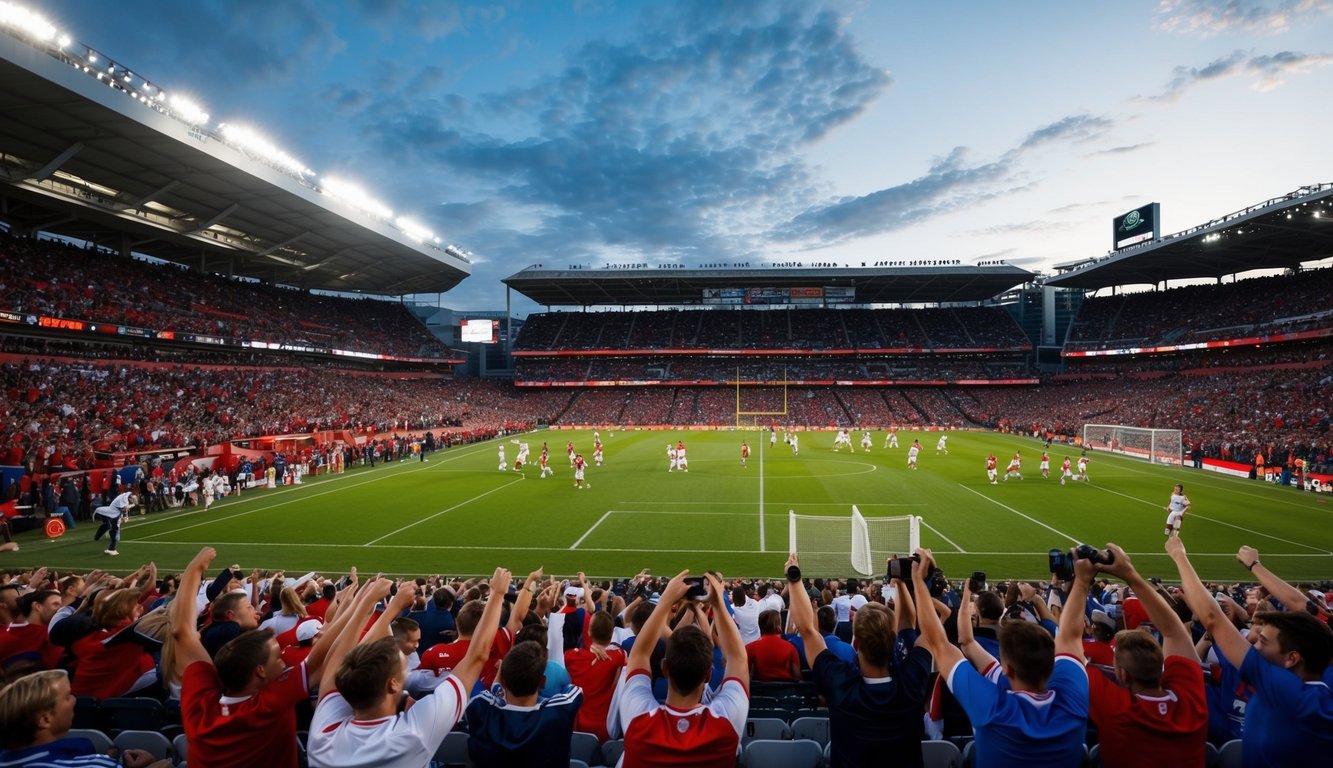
<point x="458" y="514"/>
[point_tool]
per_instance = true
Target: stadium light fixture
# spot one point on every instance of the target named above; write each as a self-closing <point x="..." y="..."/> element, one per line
<point x="414" y="230"/>
<point x="189" y="111"/>
<point x="251" y="141"/>
<point x="26" y="22"/>
<point x="354" y="195"/>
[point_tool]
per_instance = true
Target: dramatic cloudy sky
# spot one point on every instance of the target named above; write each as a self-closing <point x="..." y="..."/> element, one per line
<point x="593" y="131"/>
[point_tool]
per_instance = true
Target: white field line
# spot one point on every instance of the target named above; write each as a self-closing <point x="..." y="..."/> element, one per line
<point x="1219" y="522"/>
<point x="415" y="523"/>
<point x="286" y="489"/>
<point x="479" y="548"/>
<point x="942" y="536"/>
<point x="749" y="503"/>
<point x="762" y="543"/>
<point x="586" y="533"/>
<point x="1020" y="514"/>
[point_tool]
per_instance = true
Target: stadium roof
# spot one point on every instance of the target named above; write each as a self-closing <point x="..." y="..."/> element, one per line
<point x="926" y="282"/>
<point x="84" y="160"/>
<point x="1280" y="233"/>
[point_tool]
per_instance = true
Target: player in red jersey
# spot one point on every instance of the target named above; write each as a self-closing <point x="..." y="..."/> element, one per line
<point x="579" y="466"/>
<point x="991" y="471"/>
<point x="745" y="453"/>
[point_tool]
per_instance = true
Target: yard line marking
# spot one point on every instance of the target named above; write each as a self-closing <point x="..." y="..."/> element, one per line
<point x="415" y="523"/>
<point x="840" y="504"/>
<point x="284" y="490"/>
<point x="576" y="544"/>
<point x="1020" y="514"/>
<point x="1219" y="522"/>
<point x="942" y="536"/>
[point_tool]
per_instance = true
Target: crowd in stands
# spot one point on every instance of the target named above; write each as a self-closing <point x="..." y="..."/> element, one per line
<point x="45" y="277"/>
<point x="1252" y="307"/>
<point x="668" y="671"/>
<point x="59" y="413"/>
<point x="812" y="329"/>
<point x="774" y="369"/>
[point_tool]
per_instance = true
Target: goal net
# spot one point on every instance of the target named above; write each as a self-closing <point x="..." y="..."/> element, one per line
<point x="838" y="546"/>
<point x="1159" y="446"/>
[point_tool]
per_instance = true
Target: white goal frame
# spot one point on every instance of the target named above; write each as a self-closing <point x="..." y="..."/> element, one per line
<point x="833" y="546"/>
<point x="1157" y="446"/>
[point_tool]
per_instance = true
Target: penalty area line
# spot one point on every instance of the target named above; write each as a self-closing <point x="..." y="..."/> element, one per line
<point x="942" y="536"/>
<point x="1020" y="514"/>
<point x="588" y="532"/>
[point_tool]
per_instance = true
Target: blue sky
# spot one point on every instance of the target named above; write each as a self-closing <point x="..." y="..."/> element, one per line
<point x="599" y="131"/>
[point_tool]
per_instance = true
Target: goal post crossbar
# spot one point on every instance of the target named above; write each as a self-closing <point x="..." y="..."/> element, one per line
<point x="838" y="545"/>
<point x="1157" y="446"/>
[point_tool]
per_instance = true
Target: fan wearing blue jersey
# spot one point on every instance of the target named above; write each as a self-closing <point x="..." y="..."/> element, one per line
<point x="1032" y="707"/>
<point x="1289" y="719"/>
<point x="512" y="725"/>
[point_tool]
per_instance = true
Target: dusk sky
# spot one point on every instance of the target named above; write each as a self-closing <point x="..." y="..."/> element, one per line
<point x="599" y="131"/>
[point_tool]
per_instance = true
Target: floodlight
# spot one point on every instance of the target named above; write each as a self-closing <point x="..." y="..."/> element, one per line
<point x="352" y="194"/>
<point x="63" y="41"/>
<point x="413" y="229"/>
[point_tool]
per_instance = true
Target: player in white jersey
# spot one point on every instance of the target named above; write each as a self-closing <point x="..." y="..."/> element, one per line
<point x="1176" y="509"/>
<point x="942" y="447"/>
<point x="772" y="438"/>
<point x="504" y="465"/>
<point x="865" y="441"/>
<point x="1083" y="469"/>
<point x="522" y="457"/>
<point x="842" y="439"/>
<point x="671" y="457"/>
<point x="913" y="451"/>
<point x="795" y="447"/>
<point x="597" y="454"/>
<point x="579" y="465"/>
<point x="891" y="440"/>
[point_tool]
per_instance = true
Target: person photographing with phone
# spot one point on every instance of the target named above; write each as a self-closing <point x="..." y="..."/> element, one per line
<point x="874" y="706"/>
<point x="683" y="729"/>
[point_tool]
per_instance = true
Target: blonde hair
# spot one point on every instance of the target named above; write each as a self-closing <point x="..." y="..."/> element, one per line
<point x="291" y="604"/>
<point x="25" y="700"/>
<point x="114" y="608"/>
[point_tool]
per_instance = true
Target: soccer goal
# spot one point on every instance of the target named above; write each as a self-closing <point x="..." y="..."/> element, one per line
<point x="839" y="546"/>
<point x="1159" y="446"/>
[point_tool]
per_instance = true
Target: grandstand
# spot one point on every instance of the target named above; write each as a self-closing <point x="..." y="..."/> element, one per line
<point x="164" y="325"/>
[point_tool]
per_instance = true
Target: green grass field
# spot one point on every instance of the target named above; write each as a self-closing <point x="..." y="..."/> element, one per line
<point x="458" y="514"/>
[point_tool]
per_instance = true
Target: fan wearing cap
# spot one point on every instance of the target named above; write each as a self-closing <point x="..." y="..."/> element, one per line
<point x="239" y="709"/>
<point x="1098" y="646"/>
<point x="1158" y="714"/>
<point x="110" y="518"/>
<point x="297" y="642"/>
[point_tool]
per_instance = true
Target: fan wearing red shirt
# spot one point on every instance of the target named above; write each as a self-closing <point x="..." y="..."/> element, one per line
<point x="240" y="708"/>
<point x="1158" y="714"/>
<point x="104" y="670"/>
<point x="442" y="657"/>
<point x="596" y="670"/>
<point x="771" y="657"/>
<point x="683" y="731"/>
<point x="28" y="639"/>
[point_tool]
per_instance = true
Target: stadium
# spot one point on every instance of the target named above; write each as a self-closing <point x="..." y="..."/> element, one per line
<point x="190" y="318"/>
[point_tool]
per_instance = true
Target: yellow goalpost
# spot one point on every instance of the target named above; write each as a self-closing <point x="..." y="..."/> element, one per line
<point x="742" y="413"/>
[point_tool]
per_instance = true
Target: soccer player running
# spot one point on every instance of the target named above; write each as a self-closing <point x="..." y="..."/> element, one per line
<point x="912" y="453"/>
<point x="1083" y="469"/>
<point x="991" y="471"/>
<point x="1176" y="509"/>
<point x="891" y="440"/>
<point x="1066" y="470"/>
<point x="1045" y="465"/>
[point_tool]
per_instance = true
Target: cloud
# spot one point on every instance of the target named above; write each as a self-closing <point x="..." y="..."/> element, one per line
<point x="685" y="141"/>
<point x="1271" y="71"/>
<point x="1122" y="150"/>
<point x="1211" y="17"/>
<point x="951" y="183"/>
<point x="1268" y="71"/>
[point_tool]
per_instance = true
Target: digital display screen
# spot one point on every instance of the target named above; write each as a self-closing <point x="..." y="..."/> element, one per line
<point x="480" y="331"/>
<point x="1138" y="226"/>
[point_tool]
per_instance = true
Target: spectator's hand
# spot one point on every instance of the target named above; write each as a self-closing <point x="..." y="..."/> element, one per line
<point x="1026" y="592"/>
<point x="38" y="576"/>
<point x="500" y="581"/>
<point x="599" y="653"/>
<point x="1175" y="547"/>
<point x="136" y="758"/>
<point x="377" y="588"/>
<point x="793" y="559"/>
<point x="926" y="561"/>
<point x="1084" y="570"/>
<point x="1121" y="567"/>
<point x="675" y="589"/>
<point x="536" y="575"/>
<point x="1247" y="556"/>
<point x="406" y="595"/>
